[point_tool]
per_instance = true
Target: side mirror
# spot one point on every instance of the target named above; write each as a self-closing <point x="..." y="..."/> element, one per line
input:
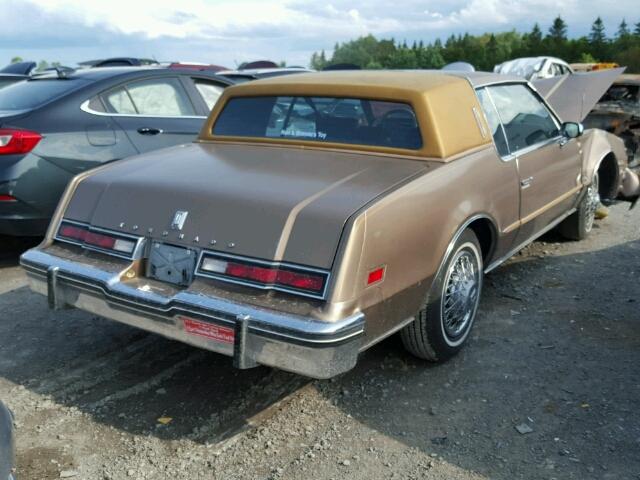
<point x="572" y="129"/>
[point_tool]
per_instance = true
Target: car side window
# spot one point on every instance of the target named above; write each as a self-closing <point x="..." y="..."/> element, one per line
<point x="209" y="91"/>
<point x="119" y="101"/>
<point x="494" y="122"/>
<point x="162" y="97"/>
<point x="526" y="120"/>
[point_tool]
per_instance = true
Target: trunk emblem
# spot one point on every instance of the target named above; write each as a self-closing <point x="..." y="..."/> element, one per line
<point x="178" y="220"/>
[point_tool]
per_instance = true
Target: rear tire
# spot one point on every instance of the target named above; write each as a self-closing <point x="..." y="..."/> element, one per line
<point x="579" y="224"/>
<point x="442" y="325"/>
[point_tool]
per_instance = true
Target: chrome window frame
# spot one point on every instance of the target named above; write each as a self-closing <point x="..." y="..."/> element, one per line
<point x="85" y="108"/>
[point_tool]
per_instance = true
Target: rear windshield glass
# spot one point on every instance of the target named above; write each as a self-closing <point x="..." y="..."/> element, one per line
<point x="33" y="93"/>
<point x="321" y="119"/>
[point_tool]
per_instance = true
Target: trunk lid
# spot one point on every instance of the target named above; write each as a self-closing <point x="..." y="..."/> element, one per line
<point x="271" y="203"/>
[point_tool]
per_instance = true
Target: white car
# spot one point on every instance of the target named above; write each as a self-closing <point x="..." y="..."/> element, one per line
<point x="534" y="68"/>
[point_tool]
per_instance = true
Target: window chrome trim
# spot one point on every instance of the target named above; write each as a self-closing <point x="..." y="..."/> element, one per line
<point x="213" y="254"/>
<point x="508" y="157"/>
<point x="136" y="253"/>
<point x="85" y="108"/>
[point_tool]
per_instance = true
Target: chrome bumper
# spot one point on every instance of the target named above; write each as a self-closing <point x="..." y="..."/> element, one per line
<point x="298" y="344"/>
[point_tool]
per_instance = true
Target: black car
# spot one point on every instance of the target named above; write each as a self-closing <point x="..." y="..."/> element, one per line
<point x="16" y="72"/>
<point x="56" y="125"/>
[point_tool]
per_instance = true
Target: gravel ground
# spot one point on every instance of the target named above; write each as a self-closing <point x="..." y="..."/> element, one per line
<point x="546" y="388"/>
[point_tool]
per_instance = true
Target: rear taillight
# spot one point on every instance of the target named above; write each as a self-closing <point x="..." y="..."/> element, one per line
<point x="274" y="276"/>
<point x="83" y="235"/>
<point x="15" y="142"/>
<point x="8" y="198"/>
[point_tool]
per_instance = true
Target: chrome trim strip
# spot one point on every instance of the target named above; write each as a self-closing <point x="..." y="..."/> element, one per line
<point x="476" y="115"/>
<point x="210" y="253"/>
<point x="85" y="108"/>
<point x="512" y="252"/>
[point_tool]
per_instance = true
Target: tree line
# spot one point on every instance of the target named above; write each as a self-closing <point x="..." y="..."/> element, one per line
<point x="487" y="50"/>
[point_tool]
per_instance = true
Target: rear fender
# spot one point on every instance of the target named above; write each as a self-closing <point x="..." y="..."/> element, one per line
<point x="597" y="146"/>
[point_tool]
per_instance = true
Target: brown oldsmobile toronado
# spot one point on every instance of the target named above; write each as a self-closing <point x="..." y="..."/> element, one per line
<point x="319" y="213"/>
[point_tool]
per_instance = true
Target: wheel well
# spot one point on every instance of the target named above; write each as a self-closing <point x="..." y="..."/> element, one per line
<point x="608" y="173"/>
<point x="486" y="233"/>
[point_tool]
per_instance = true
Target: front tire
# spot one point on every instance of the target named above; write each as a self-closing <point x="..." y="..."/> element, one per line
<point x="579" y="224"/>
<point x="442" y="325"/>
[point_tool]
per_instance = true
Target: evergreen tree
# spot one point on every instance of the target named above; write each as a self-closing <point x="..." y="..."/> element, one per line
<point x="598" y="40"/>
<point x="558" y="30"/>
<point x="636" y="30"/>
<point x="623" y="30"/>
<point x="533" y="41"/>
<point x="597" y="35"/>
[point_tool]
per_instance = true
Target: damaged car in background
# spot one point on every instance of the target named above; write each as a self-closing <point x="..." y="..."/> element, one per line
<point x="618" y="112"/>
<point x="534" y="68"/>
<point x="319" y="213"/>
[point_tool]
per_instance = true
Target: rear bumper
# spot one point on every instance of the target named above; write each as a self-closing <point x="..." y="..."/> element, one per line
<point x="251" y="335"/>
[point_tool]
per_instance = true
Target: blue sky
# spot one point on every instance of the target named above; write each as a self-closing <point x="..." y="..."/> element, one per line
<point x="228" y="32"/>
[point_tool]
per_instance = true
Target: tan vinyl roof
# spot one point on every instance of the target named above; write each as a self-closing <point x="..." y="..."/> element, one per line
<point x="449" y="116"/>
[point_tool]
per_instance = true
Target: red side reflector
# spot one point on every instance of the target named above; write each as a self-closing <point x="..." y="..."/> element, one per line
<point x="15" y="142"/>
<point x="7" y="198"/>
<point x="375" y="276"/>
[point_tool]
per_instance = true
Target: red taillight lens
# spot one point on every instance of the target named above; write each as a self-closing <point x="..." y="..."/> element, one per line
<point x="82" y="234"/>
<point x="274" y="276"/>
<point x="7" y="198"/>
<point x="73" y="232"/>
<point x="99" y="240"/>
<point x="302" y="281"/>
<point x="258" y="274"/>
<point x="15" y="142"/>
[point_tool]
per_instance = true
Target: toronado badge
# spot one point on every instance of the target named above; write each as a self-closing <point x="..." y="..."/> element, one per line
<point x="178" y="219"/>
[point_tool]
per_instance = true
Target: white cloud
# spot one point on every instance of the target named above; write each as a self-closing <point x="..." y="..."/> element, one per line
<point x="225" y="31"/>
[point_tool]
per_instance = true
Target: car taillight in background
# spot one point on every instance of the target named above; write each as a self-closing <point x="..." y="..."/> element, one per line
<point x="16" y="142"/>
<point x="287" y="278"/>
<point x="83" y="235"/>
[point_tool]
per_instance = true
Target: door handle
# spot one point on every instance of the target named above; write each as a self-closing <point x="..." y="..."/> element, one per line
<point x="149" y="131"/>
<point x="526" y="183"/>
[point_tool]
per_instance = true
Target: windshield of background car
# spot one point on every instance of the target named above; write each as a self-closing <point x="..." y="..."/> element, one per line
<point x="321" y="119"/>
<point x="33" y="93"/>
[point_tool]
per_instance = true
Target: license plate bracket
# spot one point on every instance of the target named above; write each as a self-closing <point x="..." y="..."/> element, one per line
<point x="171" y="264"/>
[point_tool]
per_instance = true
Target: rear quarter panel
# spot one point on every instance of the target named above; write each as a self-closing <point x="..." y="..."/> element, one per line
<point x="408" y="231"/>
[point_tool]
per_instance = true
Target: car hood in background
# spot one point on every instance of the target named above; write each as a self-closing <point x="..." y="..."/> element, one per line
<point x="573" y="96"/>
<point x="273" y="203"/>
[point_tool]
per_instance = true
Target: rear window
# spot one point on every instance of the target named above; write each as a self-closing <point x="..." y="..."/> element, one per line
<point x="33" y="93"/>
<point x="321" y="119"/>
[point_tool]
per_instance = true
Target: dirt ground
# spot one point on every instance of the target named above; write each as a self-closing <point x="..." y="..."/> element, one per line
<point x="555" y="352"/>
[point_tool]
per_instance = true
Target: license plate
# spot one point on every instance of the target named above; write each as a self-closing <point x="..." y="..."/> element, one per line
<point x="172" y="264"/>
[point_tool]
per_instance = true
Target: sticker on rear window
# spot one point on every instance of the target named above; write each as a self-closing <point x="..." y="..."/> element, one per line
<point x="208" y="330"/>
